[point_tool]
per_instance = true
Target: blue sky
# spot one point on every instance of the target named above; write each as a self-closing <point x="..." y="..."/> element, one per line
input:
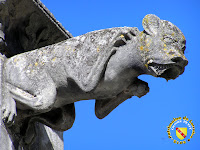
<point x="137" y="123"/>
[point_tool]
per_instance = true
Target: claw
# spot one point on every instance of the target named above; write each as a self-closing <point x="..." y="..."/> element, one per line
<point x="9" y="111"/>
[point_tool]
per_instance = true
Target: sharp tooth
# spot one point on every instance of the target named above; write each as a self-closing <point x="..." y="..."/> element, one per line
<point x="154" y="69"/>
<point x="150" y="61"/>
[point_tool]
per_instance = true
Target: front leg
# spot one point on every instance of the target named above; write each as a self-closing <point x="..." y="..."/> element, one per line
<point x="8" y="107"/>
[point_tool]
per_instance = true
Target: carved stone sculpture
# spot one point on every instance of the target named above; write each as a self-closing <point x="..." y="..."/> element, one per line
<point x="43" y="84"/>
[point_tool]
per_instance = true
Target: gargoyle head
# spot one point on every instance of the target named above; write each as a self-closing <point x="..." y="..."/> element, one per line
<point x="162" y="46"/>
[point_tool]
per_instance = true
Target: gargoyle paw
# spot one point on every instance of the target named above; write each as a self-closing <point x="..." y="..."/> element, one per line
<point x="139" y="88"/>
<point x="142" y="89"/>
<point x="9" y="112"/>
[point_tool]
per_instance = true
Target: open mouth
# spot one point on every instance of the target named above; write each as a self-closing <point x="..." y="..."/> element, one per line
<point x="167" y="71"/>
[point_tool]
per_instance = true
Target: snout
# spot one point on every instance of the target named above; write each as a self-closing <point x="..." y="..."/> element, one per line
<point x="180" y="61"/>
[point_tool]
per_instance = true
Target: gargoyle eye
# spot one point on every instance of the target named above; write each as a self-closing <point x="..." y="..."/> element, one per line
<point x="169" y="40"/>
<point x="183" y="48"/>
<point x="184" y="42"/>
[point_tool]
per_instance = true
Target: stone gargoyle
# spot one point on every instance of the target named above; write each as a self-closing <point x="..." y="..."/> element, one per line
<point x="103" y="65"/>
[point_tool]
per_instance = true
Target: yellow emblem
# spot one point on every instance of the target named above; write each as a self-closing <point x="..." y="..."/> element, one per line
<point x="181" y="133"/>
<point x="184" y="133"/>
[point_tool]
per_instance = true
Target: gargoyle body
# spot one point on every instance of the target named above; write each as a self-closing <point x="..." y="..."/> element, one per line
<point x="102" y="65"/>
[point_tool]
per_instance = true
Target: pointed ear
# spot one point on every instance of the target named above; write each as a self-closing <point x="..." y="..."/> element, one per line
<point x="151" y="24"/>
